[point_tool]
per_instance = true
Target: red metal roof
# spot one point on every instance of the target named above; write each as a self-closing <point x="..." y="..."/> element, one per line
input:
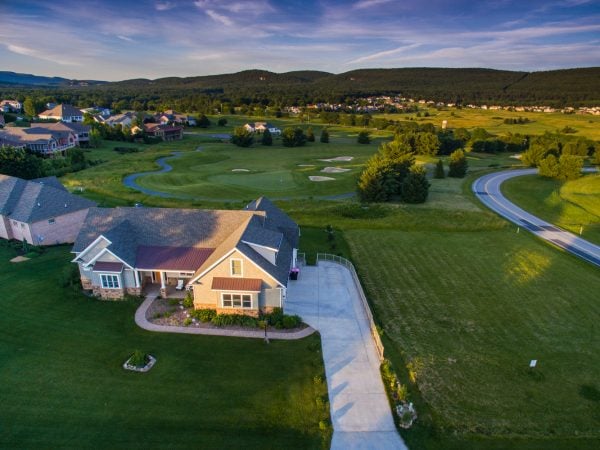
<point x="237" y="284"/>
<point x="102" y="266"/>
<point x="188" y="259"/>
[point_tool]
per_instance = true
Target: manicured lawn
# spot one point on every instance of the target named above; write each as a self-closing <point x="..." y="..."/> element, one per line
<point x="586" y="125"/>
<point x="469" y="310"/>
<point x="570" y="205"/>
<point x="62" y="385"/>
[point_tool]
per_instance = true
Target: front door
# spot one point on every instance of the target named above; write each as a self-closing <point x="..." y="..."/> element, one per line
<point x="156" y="277"/>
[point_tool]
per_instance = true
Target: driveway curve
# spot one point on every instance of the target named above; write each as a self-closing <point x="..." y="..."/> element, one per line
<point x="487" y="190"/>
<point x="326" y="298"/>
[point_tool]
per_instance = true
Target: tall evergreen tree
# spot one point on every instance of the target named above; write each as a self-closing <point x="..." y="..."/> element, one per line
<point x="267" y="138"/>
<point x="415" y="187"/>
<point x="242" y="137"/>
<point x="324" y="136"/>
<point x="310" y="135"/>
<point x="458" y="165"/>
<point x="439" y="170"/>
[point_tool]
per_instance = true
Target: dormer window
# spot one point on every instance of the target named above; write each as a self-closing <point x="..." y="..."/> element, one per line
<point x="236" y="267"/>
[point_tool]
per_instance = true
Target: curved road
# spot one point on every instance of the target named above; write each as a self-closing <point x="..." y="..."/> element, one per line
<point x="487" y="189"/>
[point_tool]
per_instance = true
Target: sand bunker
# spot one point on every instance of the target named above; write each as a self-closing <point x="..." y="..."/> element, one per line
<point x="19" y="259"/>
<point x="339" y="158"/>
<point x="240" y="170"/>
<point x="334" y="170"/>
<point x="306" y="165"/>
<point x="318" y="178"/>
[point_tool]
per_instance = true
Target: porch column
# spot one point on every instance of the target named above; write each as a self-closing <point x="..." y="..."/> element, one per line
<point x="136" y="275"/>
<point x="162" y="280"/>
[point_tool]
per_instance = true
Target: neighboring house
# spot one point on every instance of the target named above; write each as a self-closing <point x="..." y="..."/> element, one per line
<point x="41" y="212"/>
<point x="171" y="117"/>
<point x="260" y="127"/>
<point x="191" y="121"/>
<point x="2" y="123"/>
<point x="11" y="106"/>
<point x="64" y="113"/>
<point x="79" y="130"/>
<point x="232" y="261"/>
<point x="165" y="132"/>
<point x="7" y="140"/>
<point x="124" y="119"/>
<point x="41" y="140"/>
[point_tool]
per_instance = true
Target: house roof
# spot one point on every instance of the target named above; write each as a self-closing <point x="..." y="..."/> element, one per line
<point x="51" y="181"/>
<point x="63" y="126"/>
<point x="190" y="240"/>
<point x="62" y="110"/>
<point x="171" y="258"/>
<point x="103" y="266"/>
<point x="32" y="201"/>
<point x="236" y="284"/>
<point x="276" y="219"/>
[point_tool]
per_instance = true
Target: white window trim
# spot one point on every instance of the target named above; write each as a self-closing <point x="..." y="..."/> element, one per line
<point x="241" y="294"/>
<point x="118" y="278"/>
<point x="241" y="267"/>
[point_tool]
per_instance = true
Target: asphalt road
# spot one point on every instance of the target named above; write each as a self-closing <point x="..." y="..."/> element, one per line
<point x="487" y="189"/>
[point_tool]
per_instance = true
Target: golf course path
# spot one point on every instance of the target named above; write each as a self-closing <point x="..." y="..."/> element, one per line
<point x="130" y="181"/>
<point x="487" y="189"/>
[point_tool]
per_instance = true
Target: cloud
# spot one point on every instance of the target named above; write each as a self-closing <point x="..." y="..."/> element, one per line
<point x="26" y="51"/>
<point x="366" y="4"/>
<point x="125" y="38"/>
<point x="220" y="18"/>
<point x="163" y="6"/>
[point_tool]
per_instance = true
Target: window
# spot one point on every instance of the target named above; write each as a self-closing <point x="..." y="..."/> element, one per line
<point x="236" y="267"/>
<point x="237" y="300"/>
<point x="110" y="281"/>
<point x="51" y="220"/>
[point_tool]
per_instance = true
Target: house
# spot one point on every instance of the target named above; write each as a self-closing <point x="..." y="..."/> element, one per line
<point x="41" y="211"/>
<point x="79" y="130"/>
<point x="191" y="121"/>
<point x="171" y="117"/>
<point x="165" y="132"/>
<point x="232" y="261"/>
<point x="11" y="106"/>
<point x="125" y="119"/>
<point x="41" y="140"/>
<point x="6" y="140"/>
<point x="260" y="127"/>
<point x="2" y="122"/>
<point x="64" y="113"/>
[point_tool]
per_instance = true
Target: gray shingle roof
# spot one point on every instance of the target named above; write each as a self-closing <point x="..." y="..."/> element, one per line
<point x="33" y="201"/>
<point x="276" y="219"/>
<point x="130" y="229"/>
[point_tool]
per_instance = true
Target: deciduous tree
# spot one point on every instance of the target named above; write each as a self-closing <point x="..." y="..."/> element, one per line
<point x="458" y="165"/>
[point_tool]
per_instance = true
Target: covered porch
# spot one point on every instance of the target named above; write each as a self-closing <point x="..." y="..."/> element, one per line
<point x="165" y="282"/>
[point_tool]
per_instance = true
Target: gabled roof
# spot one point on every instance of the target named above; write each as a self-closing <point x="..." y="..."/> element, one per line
<point x="191" y="240"/>
<point x="276" y="219"/>
<point x="32" y="201"/>
<point x="62" y="110"/>
<point x="51" y="181"/>
<point x="236" y="284"/>
<point x="74" y="127"/>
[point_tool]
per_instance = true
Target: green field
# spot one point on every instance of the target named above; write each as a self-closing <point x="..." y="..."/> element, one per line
<point x="62" y="384"/>
<point x="572" y="205"/>
<point x="459" y="295"/>
<point x="493" y="121"/>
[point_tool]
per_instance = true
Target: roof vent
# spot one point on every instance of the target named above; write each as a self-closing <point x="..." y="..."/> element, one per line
<point x="39" y="204"/>
<point x="65" y="205"/>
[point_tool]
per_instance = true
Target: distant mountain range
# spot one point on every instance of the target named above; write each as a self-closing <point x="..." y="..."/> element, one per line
<point x="566" y="87"/>
<point x="26" y="79"/>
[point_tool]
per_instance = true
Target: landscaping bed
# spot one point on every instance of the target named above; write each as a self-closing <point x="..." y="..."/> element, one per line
<point x="176" y="312"/>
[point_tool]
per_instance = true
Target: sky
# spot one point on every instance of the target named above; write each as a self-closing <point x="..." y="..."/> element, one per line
<point x="123" y="39"/>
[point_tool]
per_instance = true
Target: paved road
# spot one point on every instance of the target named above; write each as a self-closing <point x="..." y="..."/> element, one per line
<point x="487" y="189"/>
<point x="326" y="298"/>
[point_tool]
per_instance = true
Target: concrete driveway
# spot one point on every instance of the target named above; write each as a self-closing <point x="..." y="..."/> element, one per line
<point x="326" y="298"/>
<point x="488" y="190"/>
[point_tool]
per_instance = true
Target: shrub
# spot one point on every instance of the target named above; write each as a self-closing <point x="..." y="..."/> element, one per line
<point x="363" y="137"/>
<point x="310" y="135"/>
<point x="204" y="315"/>
<point x="458" y="165"/>
<point x="173" y="301"/>
<point x="324" y="136"/>
<point x="187" y="322"/>
<point x="222" y="122"/>
<point x="275" y="317"/>
<point x="188" y="301"/>
<point x="123" y="150"/>
<point x="415" y="187"/>
<point x="291" y="321"/>
<point x="138" y="359"/>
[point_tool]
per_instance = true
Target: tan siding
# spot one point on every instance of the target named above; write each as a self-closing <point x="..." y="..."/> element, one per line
<point x="5" y="230"/>
<point x="64" y="229"/>
<point x="203" y="295"/>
